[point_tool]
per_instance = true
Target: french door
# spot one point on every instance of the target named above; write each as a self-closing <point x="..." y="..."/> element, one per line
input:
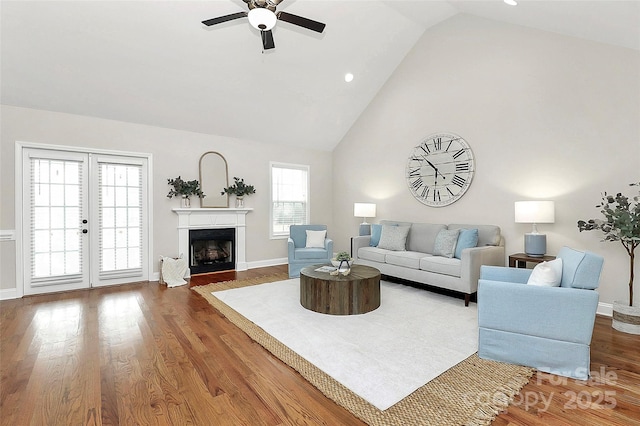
<point x="85" y="220"/>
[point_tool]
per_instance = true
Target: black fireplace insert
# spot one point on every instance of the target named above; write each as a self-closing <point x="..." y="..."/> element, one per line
<point x="212" y="250"/>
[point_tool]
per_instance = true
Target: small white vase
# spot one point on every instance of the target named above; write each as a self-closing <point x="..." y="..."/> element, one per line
<point x="185" y="202"/>
<point x="626" y="318"/>
<point x="240" y="202"/>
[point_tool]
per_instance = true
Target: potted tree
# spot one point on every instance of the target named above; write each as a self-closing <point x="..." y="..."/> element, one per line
<point x="239" y="189"/>
<point x="621" y="223"/>
<point x="184" y="189"/>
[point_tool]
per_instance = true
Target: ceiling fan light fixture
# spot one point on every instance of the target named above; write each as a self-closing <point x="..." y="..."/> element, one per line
<point x="262" y="19"/>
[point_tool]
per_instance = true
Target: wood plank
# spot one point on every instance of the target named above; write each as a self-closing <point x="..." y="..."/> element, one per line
<point x="142" y="353"/>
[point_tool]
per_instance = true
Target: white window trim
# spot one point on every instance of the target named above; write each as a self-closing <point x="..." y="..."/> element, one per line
<point x="305" y="167"/>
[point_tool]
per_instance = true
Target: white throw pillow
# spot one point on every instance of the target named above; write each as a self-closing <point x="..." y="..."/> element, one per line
<point x="315" y="239"/>
<point x="547" y="274"/>
<point x="394" y="237"/>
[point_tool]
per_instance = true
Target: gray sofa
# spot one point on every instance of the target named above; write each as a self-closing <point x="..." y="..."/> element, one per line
<point x="416" y="261"/>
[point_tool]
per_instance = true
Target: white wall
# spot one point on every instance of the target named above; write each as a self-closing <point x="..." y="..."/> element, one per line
<point x="547" y="117"/>
<point x="174" y="153"/>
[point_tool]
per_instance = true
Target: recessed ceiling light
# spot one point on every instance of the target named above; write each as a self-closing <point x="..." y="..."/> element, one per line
<point x="348" y="77"/>
<point x="511" y="2"/>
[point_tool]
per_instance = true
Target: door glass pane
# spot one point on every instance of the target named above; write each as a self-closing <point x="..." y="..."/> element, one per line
<point x="119" y="214"/>
<point x="55" y="193"/>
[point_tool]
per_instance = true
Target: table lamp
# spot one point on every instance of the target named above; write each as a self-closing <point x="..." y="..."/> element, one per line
<point x="535" y="244"/>
<point x="364" y="210"/>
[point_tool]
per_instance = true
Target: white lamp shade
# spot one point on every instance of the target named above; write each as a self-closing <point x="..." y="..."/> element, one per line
<point x="534" y="211"/>
<point x="262" y="19"/>
<point x="364" y="209"/>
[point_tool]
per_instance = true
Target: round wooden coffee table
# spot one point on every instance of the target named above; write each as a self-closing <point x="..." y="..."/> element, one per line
<point x="356" y="293"/>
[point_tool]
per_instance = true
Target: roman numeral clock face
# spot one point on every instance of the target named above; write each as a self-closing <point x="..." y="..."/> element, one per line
<point x="440" y="169"/>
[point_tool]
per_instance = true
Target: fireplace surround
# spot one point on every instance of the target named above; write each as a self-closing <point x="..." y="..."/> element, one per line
<point x="213" y="219"/>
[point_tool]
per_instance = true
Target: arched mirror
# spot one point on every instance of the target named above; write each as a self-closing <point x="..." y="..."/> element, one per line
<point x="213" y="178"/>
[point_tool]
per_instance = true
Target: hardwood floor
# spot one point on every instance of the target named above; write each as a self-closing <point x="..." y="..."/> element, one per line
<point x="142" y="354"/>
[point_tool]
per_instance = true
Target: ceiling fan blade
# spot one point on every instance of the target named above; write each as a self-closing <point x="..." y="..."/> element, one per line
<point x="225" y="18"/>
<point x="301" y="22"/>
<point x="267" y="40"/>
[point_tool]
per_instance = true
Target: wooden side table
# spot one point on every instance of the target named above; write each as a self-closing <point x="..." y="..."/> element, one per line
<point x="519" y="260"/>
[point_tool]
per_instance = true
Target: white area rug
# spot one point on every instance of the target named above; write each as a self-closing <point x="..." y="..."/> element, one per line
<point x="382" y="356"/>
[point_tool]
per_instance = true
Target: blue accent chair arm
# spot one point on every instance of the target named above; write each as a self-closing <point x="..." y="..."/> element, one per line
<point x="328" y="245"/>
<point x="500" y="273"/>
<point x="291" y="246"/>
<point x="565" y="314"/>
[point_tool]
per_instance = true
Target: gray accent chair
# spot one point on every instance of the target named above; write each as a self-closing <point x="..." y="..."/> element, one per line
<point x="547" y="328"/>
<point x="300" y="256"/>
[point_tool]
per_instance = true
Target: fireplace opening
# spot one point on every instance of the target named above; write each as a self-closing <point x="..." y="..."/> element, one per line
<point x="212" y="250"/>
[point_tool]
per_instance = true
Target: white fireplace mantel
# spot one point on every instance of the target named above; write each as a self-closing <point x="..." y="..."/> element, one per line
<point x="211" y="218"/>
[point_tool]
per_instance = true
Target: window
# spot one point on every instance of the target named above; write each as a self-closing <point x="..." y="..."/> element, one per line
<point x="289" y="197"/>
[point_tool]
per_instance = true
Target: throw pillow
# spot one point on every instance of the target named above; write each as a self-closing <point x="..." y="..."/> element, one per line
<point x="376" y="231"/>
<point x="315" y="239"/>
<point x="547" y="274"/>
<point x="446" y="241"/>
<point x="468" y="238"/>
<point x="394" y="237"/>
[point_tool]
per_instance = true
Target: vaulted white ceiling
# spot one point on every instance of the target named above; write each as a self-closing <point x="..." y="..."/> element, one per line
<point x="153" y="62"/>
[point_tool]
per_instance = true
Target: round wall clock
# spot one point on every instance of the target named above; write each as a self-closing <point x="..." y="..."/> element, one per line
<point x="440" y="169"/>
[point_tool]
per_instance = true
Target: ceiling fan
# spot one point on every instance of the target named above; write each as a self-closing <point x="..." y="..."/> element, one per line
<point x="263" y="16"/>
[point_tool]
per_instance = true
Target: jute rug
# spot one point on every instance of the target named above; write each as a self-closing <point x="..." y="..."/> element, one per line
<point x="471" y="393"/>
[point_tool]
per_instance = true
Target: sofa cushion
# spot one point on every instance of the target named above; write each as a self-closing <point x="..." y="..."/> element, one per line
<point x="422" y="237"/>
<point x="488" y="235"/>
<point x="441" y="265"/>
<point x="374" y="254"/>
<point x="376" y="231"/>
<point x="407" y="259"/>
<point x="446" y="241"/>
<point x="394" y="237"/>
<point x="468" y="238"/>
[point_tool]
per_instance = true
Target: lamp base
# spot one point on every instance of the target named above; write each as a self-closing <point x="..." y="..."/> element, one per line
<point x="535" y="245"/>
<point x="365" y="229"/>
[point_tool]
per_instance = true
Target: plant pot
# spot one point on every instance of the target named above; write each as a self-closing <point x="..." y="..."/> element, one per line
<point x="239" y="202"/>
<point x="626" y="318"/>
<point x="185" y="202"/>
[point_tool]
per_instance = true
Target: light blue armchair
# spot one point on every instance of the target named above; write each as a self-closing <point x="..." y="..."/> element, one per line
<point x="299" y="255"/>
<point x="548" y="328"/>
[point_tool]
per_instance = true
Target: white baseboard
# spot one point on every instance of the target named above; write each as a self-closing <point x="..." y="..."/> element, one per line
<point x="605" y="309"/>
<point x="268" y="262"/>
<point x="9" y="293"/>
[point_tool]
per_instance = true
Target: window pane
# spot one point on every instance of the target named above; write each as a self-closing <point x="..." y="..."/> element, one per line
<point x="41" y="265"/>
<point x="289" y="197"/>
<point x="41" y="241"/>
<point x="41" y="195"/>
<point x="72" y="217"/>
<point x="57" y="195"/>
<point x="57" y="240"/>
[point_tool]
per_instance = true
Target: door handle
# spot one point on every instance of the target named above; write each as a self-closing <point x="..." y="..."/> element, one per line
<point x="84" y="220"/>
<point x="84" y="231"/>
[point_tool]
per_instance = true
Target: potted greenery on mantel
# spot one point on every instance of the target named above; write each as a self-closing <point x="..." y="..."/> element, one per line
<point x="184" y="189"/>
<point x="621" y="223"/>
<point x="239" y="189"/>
